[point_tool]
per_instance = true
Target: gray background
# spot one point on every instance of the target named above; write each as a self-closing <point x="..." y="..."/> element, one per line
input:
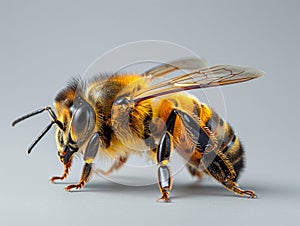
<point x="45" y="43"/>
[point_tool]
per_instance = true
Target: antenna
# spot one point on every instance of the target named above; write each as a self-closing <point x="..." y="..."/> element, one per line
<point x="47" y="128"/>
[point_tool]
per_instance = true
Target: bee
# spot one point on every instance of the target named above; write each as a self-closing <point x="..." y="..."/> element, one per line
<point x="119" y="114"/>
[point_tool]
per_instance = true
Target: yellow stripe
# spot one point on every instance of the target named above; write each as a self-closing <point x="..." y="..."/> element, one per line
<point x="89" y="161"/>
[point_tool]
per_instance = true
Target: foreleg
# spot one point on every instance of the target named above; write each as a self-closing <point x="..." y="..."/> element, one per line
<point x="89" y="156"/>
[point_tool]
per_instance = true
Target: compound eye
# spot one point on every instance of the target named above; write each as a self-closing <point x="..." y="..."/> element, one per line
<point x="82" y="122"/>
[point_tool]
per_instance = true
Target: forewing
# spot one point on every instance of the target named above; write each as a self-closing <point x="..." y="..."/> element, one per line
<point x="198" y="79"/>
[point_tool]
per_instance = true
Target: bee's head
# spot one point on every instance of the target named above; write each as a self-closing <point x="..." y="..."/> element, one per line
<point x="75" y="120"/>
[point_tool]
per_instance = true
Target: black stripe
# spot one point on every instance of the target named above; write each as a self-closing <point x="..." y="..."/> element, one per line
<point x="137" y="121"/>
<point x="233" y="139"/>
<point x="221" y="122"/>
<point x="233" y="153"/>
<point x="196" y="109"/>
<point x="216" y="166"/>
<point x="107" y="132"/>
<point x="146" y="122"/>
<point x="229" y="133"/>
<point x="229" y="145"/>
<point x="213" y="122"/>
<point x="239" y="165"/>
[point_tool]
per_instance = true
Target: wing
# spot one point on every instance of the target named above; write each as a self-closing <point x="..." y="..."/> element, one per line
<point x="185" y="64"/>
<point x="198" y="79"/>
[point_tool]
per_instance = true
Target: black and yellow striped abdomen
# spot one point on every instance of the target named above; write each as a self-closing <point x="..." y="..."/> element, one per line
<point x="226" y="158"/>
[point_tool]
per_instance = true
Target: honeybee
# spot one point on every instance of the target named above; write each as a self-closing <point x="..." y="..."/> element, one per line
<point x="117" y="115"/>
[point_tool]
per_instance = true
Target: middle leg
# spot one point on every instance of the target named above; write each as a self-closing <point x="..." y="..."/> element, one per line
<point x="163" y="154"/>
<point x="199" y="136"/>
<point x="116" y="165"/>
<point x="195" y="172"/>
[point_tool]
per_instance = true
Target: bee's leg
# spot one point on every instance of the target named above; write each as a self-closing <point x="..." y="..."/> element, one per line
<point x="164" y="150"/>
<point x="116" y="165"/>
<point x="66" y="158"/>
<point x="195" y="172"/>
<point x="219" y="167"/>
<point x="234" y="187"/>
<point x="200" y="137"/>
<point x="89" y="156"/>
<point x="65" y="174"/>
<point x="165" y="183"/>
<point x="216" y="164"/>
<point x="85" y="176"/>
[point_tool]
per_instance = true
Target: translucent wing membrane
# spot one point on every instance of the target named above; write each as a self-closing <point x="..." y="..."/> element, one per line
<point x="185" y="64"/>
<point x="198" y="79"/>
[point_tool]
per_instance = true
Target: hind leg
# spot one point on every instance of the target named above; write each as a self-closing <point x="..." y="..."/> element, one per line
<point x="234" y="187"/>
<point x="219" y="167"/>
<point x="215" y="164"/>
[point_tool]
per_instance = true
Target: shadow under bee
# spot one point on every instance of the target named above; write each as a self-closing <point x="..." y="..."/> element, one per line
<point x="181" y="190"/>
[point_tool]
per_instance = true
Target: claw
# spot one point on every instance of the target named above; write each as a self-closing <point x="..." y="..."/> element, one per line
<point x="251" y="194"/>
<point x="54" y="179"/>
<point x="165" y="197"/>
<point x="73" y="186"/>
<point x="238" y="191"/>
<point x="164" y="200"/>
